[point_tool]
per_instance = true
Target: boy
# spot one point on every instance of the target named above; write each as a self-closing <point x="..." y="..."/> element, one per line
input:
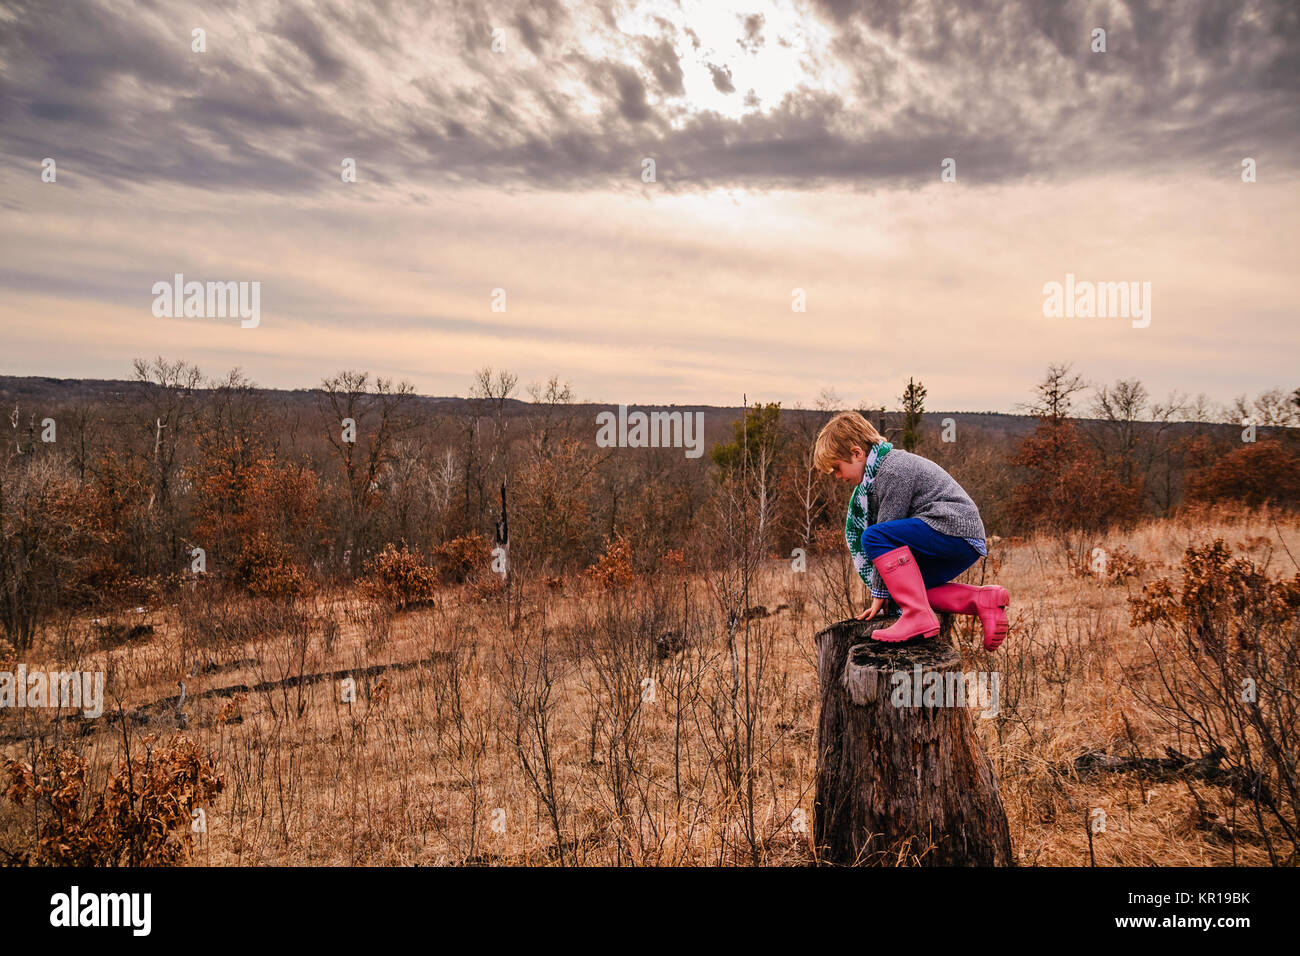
<point x="911" y="523"/>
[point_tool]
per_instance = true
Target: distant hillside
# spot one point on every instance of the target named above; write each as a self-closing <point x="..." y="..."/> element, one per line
<point x="35" y="392"/>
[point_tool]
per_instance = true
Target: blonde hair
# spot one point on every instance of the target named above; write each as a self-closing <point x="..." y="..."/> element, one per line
<point x="838" y="436"/>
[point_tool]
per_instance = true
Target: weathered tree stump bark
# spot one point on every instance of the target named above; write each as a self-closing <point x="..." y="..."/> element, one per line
<point x="902" y="783"/>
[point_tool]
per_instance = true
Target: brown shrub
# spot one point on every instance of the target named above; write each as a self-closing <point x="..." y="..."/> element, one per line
<point x="264" y="568"/>
<point x="461" y="558"/>
<point x="614" y="568"/>
<point x="1219" y="594"/>
<point x="1257" y="473"/>
<point x="400" y="578"/>
<point x="829" y="539"/>
<point x="1066" y="485"/>
<point x="673" y="562"/>
<point x="141" y="819"/>
<point x="1224" y="646"/>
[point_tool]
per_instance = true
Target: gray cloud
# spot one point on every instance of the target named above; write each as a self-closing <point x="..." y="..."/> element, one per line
<point x="305" y="33"/>
<point x="1010" y="90"/>
<point x="532" y="39"/>
<point x="753" y="38"/>
<point x="721" y="78"/>
<point x="661" y="59"/>
<point x="629" y="90"/>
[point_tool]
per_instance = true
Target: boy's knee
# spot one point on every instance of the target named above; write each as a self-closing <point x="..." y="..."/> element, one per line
<point x="874" y="540"/>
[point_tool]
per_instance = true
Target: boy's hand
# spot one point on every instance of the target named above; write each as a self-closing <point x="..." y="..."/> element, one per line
<point x="869" y="613"/>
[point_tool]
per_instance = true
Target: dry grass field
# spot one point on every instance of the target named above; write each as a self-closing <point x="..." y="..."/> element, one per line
<point x="600" y="721"/>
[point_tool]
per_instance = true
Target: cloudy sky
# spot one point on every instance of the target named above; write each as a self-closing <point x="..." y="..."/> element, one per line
<point x="796" y="145"/>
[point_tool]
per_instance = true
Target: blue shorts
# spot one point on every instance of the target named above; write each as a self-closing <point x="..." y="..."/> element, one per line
<point x="941" y="557"/>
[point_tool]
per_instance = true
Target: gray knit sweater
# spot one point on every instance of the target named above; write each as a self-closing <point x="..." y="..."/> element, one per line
<point x="910" y="486"/>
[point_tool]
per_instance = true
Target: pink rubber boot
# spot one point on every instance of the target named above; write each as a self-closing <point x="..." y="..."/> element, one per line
<point x="990" y="603"/>
<point x="902" y="577"/>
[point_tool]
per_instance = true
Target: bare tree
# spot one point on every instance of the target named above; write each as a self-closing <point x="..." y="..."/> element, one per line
<point x="1272" y="408"/>
<point x="168" y="388"/>
<point x="373" y="411"/>
<point x="1119" y="408"/>
<point x="489" y="391"/>
<point x="497" y="390"/>
<point x="1162" y="450"/>
<point x="1053" y="399"/>
<point x="552" y="398"/>
<point x="443" y="478"/>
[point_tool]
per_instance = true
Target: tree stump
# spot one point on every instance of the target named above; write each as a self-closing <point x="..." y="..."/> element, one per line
<point x="900" y="775"/>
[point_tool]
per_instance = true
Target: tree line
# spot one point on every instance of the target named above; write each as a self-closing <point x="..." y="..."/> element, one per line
<point x="180" y="475"/>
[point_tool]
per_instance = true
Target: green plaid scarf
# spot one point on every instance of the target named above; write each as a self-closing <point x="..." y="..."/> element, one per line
<point x="857" y="520"/>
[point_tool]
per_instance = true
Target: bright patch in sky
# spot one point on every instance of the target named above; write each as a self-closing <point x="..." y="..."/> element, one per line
<point x="785" y="51"/>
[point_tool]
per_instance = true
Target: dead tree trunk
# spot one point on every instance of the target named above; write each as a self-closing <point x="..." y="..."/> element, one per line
<point x="502" y="537"/>
<point x="900" y="773"/>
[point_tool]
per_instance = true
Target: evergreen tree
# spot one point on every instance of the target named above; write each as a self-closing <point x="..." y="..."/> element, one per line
<point x="913" y="407"/>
